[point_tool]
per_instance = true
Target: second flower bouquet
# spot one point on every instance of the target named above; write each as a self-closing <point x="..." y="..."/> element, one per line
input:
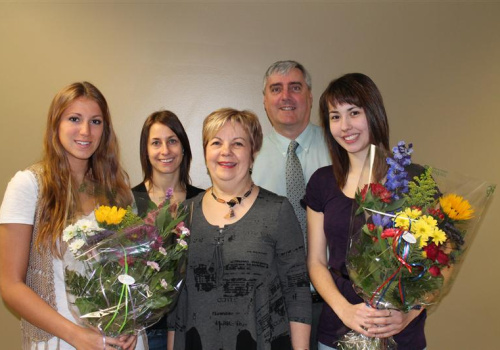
<point x="409" y="233"/>
<point x="127" y="271"/>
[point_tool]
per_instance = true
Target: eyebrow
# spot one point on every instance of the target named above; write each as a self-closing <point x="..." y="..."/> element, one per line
<point x="275" y="84"/>
<point x="349" y="109"/>
<point x="290" y="83"/>
<point x="161" y="138"/>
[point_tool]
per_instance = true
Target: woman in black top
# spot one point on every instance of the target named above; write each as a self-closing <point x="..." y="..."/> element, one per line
<point x="165" y="158"/>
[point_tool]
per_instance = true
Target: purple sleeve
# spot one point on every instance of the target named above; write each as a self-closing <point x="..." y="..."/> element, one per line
<point x="315" y="190"/>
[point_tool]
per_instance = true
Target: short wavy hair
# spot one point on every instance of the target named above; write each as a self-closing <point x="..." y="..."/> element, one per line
<point x="248" y="120"/>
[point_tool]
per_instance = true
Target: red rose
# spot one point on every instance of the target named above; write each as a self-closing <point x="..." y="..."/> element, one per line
<point x="371" y="227"/>
<point x="442" y="258"/>
<point x="434" y="271"/>
<point x="432" y="251"/>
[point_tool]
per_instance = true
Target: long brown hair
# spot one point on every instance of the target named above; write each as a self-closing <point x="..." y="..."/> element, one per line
<point x="59" y="192"/>
<point x="170" y="120"/>
<point x="359" y="90"/>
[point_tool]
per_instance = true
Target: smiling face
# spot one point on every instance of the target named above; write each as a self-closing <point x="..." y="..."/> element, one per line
<point x="349" y="127"/>
<point x="164" y="150"/>
<point x="228" y="155"/>
<point x="288" y="101"/>
<point x="80" y="131"/>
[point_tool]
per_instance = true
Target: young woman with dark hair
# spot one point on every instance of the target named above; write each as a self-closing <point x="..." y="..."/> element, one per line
<point x="353" y="117"/>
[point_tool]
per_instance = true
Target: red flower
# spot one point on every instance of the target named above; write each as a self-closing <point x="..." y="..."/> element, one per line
<point x="432" y="251"/>
<point x="130" y="260"/>
<point x="442" y="258"/>
<point x="434" y="271"/>
<point x="390" y="232"/>
<point x="436" y="213"/>
<point x="371" y="227"/>
<point x="378" y="191"/>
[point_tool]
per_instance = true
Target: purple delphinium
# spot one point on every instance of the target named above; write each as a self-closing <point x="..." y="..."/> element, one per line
<point x="397" y="181"/>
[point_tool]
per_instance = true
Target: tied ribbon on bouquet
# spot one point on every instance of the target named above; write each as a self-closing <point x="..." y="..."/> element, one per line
<point x="125" y="272"/>
<point x="409" y="232"/>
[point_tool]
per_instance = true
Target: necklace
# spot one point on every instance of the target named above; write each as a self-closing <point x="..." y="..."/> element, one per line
<point x="231" y="203"/>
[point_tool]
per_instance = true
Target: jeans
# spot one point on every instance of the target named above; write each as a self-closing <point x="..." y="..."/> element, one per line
<point x="157" y="339"/>
<point x="322" y="346"/>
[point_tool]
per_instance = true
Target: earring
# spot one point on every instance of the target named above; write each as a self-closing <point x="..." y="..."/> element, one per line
<point x="250" y="170"/>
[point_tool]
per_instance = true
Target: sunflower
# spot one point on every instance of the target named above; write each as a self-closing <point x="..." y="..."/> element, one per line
<point x="456" y="207"/>
<point x="110" y="215"/>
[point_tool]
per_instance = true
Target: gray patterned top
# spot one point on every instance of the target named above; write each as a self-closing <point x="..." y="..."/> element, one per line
<point x="245" y="282"/>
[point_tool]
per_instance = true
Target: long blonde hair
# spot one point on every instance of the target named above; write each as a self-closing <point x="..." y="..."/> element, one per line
<point x="59" y="193"/>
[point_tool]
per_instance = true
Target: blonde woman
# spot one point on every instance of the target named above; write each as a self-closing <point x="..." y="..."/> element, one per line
<point x="80" y="169"/>
<point x="246" y="283"/>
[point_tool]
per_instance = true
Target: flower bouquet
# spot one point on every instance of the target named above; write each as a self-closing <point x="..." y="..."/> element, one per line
<point x="409" y="233"/>
<point x="127" y="271"/>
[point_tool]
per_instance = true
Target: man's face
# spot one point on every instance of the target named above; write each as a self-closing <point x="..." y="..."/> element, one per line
<point x="288" y="100"/>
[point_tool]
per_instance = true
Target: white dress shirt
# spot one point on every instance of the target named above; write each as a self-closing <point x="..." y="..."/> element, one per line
<point x="269" y="166"/>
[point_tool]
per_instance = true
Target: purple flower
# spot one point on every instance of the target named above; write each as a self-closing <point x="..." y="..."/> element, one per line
<point x="382" y="220"/>
<point x="397" y="181"/>
<point x="169" y="193"/>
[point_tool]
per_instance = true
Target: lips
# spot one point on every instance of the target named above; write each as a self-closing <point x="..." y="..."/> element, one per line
<point x="83" y="143"/>
<point x="166" y="161"/>
<point x="288" y="108"/>
<point x="227" y="164"/>
<point x="351" y="138"/>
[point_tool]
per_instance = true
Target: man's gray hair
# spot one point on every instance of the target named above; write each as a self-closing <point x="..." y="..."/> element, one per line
<point x="283" y="68"/>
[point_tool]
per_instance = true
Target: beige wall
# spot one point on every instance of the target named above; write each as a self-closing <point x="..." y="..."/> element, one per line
<point x="437" y="65"/>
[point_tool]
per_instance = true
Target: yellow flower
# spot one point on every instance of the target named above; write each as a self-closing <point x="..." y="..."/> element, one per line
<point x="109" y="215"/>
<point x="439" y="236"/>
<point x="456" y="207"/>
<point x="423" y="230"/>
<point x="429" y="220"/>
<point x="403" y="218"/>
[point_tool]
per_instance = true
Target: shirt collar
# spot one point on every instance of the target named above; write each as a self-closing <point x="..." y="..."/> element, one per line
<point x="304" y="139"/>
